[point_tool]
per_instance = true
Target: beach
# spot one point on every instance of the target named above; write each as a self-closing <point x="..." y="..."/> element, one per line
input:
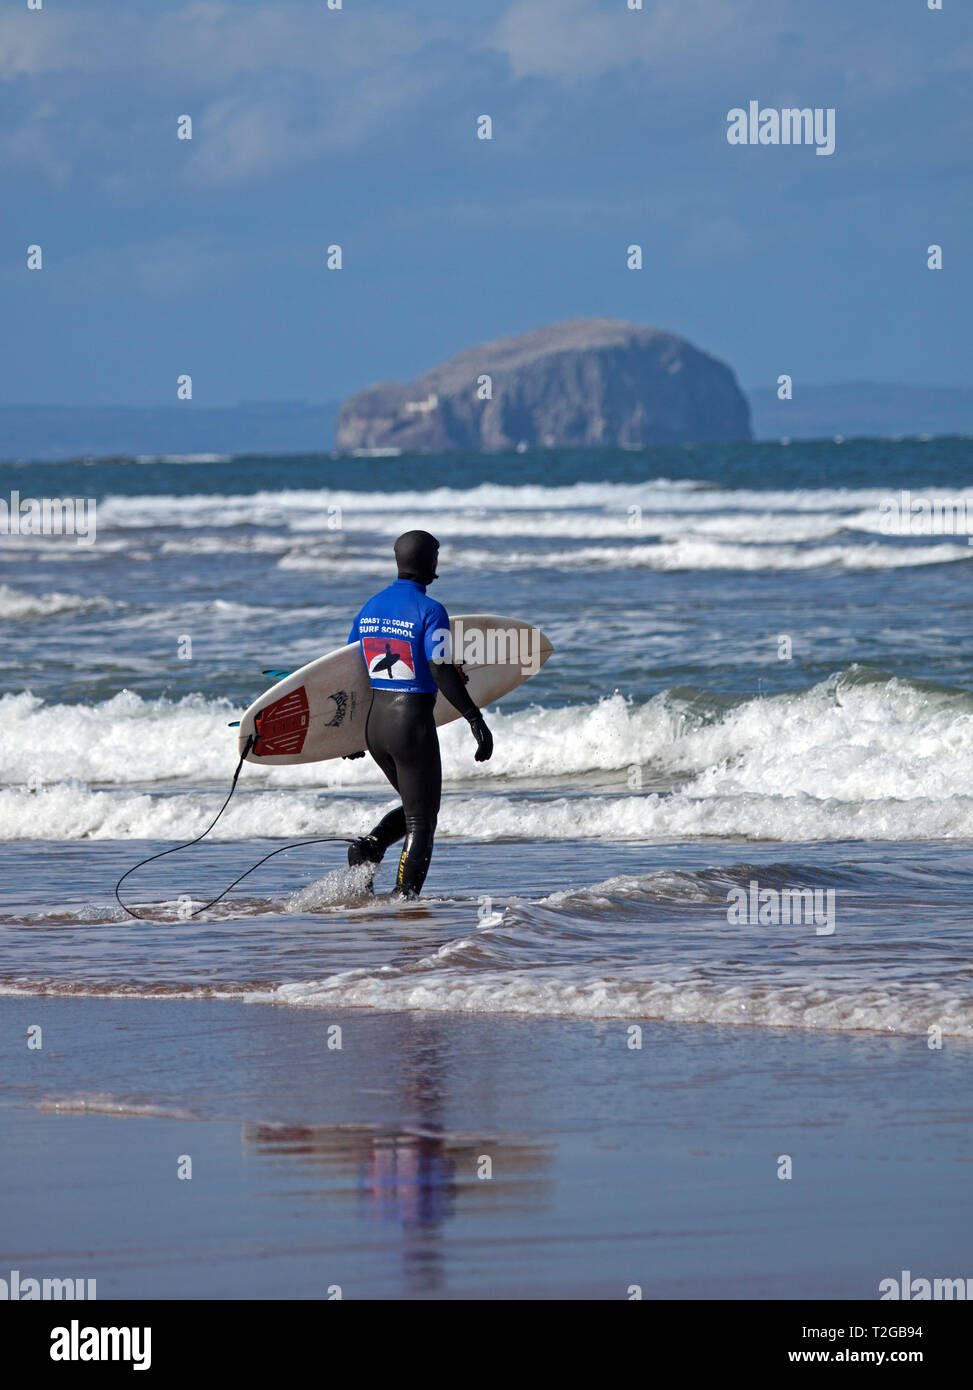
<point x="685" y="1009"/>
<point x="358" y="1168"/>
<point x="486" y="678"/>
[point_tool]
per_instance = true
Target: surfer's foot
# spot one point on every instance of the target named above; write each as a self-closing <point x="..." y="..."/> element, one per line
<point x="365" y="850"/>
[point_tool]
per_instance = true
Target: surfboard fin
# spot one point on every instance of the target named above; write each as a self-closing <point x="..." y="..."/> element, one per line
<point x="277" y="675"/>
<point x="234" y="725"/>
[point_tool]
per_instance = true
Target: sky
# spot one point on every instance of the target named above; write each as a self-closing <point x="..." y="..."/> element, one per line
<point x="357" y="127"/>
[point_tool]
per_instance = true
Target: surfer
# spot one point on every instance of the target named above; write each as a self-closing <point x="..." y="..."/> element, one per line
<point x="404" y="636"/>
<point x="387" y="662"/>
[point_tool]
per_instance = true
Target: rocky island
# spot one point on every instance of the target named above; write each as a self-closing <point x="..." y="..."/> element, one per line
<point x="583" y="382"/>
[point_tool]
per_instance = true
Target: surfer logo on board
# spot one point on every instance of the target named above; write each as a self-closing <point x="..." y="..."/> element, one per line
<point x="340" y="698"/>
<point x="389" y="658"/>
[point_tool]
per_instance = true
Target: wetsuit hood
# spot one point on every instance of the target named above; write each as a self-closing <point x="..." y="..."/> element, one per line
<point x="416" y="555"/>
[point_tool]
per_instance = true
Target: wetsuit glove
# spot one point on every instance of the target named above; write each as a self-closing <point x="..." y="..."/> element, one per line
<point x="451" y="683"/>
<point x="483" y="736"/>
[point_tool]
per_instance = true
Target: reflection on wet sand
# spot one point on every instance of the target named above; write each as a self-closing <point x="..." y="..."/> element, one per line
<point x="417" y="1178"/>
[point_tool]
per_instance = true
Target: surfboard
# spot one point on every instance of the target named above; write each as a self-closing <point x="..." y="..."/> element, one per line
<point x="319" y="712"/>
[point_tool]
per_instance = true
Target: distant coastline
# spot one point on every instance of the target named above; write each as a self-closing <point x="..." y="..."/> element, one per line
<point x="197" y="432"/>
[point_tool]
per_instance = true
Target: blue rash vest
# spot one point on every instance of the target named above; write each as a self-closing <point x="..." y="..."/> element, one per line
<point x="400" y="631"/>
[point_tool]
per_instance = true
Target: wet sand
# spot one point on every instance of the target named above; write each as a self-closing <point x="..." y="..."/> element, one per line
<point x="441" y="1156"/>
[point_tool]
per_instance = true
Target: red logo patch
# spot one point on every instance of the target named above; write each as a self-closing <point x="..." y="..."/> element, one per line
<point x="388" y="658"/>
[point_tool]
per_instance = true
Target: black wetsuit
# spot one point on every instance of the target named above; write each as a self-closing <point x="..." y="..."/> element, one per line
<point x="401" y="736"/>
<point x="403" y="633"/>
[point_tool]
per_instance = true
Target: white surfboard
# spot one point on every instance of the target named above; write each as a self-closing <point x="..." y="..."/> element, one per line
<point x="319" y="712"/>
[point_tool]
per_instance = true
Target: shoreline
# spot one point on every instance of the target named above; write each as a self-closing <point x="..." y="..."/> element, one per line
<point x="363" y="1165"/>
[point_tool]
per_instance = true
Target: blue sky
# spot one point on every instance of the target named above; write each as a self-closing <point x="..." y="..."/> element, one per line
<point x="358" y="126"/>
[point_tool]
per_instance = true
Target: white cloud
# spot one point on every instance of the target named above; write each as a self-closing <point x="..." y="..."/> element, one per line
<point x="576" y="39"/>
<point x="237" y="138"/>
<point x="269" y="86"/>
<point x="246" y="136"/>
<point x="33" y="42"/>
<point x="212" y="43"/>
<point x="35" y="144"/>
<point x="274" y="84"/>
<point x="208" y="41"/>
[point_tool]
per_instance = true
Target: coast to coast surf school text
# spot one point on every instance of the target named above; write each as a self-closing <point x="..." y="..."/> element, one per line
<point x="386" y="627"/>
<point x="49" y="516"/>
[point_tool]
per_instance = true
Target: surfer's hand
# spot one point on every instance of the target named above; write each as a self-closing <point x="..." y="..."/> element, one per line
<point x="348" y="756"/>
<point x="484" y="739"/>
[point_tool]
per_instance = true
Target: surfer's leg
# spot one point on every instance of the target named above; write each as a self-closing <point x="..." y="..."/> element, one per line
<point x="420" y="784"/>
<point x="401" y="737"/>
<point x="370" y="848"/>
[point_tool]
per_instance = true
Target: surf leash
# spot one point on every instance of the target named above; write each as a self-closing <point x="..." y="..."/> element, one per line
<point x="321" y="840"/>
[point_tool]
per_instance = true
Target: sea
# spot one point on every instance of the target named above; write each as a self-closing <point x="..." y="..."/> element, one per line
<point x="739" y="793"/>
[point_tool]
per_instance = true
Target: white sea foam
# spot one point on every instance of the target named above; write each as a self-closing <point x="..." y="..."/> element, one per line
<point x="71" y="812"/>
<point x="544" y="992"/>
<point x="853" y="757"/>
<point x="184" y="458"/>
<point x="390" y="509"/>
<point x="248" y="544"/>
<point x="702" y="554"/>
<point x="16" y="606"/>
<point x="104" y="1103"/>
<point x="903" y="1010"/>
<point x="596" y="524"/>
<point x="662" y="525"/>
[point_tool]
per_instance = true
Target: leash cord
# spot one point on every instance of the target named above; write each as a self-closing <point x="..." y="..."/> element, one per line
<point x="324" y="839"/>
